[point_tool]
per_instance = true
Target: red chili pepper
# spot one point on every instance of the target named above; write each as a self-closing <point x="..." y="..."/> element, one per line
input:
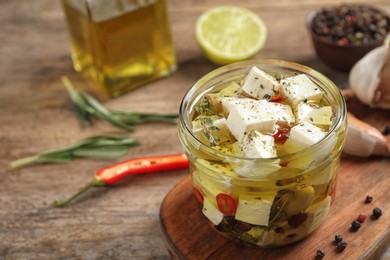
<point x="276" y="98"/>
<point x="198" y="196"/>
<point x="226" y="204"/>
<point x="114" y="173"/>
<point x="281" y="135"/>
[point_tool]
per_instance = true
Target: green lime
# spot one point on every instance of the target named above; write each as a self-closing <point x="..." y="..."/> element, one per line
<point x="229" y="34"/>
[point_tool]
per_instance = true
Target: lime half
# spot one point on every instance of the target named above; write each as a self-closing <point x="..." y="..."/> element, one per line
<point x="228" y="34"/>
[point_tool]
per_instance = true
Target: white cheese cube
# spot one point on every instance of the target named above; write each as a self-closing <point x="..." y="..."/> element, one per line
<point x="323" y="175"/>
<point x="319" y="116"/>
<point x="259" y="84"/>
<point x="211" y="212"/>
<point x="258" y="115"/>
<point x="254" y="212"/>
<point x="229" y="102"/>
<point x="257" y="145"/>
<point x="299" y="88"/>
<point x="215" y="99"/>
<point x="208" y="186"/>
<point x="242" y="119"/>
<point x="327" y="148"/>
<point x="282" y="113"/>
<point x="211" y="168"/>
<point x="317" y="213"/>
<point x="302" y="136"/>
<point x="256" y="169"/>
<point x="217" y="129"/>
<point x="197" y="129"/>
<point x="220" y="131"/>
<point x="303" y="162"/>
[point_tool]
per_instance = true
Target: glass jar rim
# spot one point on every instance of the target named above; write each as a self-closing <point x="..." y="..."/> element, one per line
<point x="333" y="90"/>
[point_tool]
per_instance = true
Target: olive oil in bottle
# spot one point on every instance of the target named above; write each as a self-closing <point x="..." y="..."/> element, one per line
<point x="120" y="44"/>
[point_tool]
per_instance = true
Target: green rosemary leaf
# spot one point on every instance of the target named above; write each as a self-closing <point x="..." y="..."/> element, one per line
<point x="103" y="113"/>
<point x="83" y="116"/>
<point x="87" y="106"/>
<point x="205" y="108"/>
<point x="102" y="152"/>
<point x="54" y="159"/>
<point x="100" y="147"/>
<point x="207" y="124"/>
<point x="128" y="142"/>
<point x="138" y="118"/>
<point x="207" y="120"/>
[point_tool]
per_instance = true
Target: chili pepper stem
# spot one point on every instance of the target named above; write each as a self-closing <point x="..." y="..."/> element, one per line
<point x="94" y="183"/>
<point x="23" y="161"/>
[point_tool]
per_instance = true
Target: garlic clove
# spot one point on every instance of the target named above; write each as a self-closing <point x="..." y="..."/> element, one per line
<point x="370" y="77"/>
<point x="364" y="140"/>
<point x="383" y="90"/>
<point x="368" y="74"/>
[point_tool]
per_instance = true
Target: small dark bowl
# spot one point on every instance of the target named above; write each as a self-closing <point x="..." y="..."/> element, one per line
<point x="340" y="57"/>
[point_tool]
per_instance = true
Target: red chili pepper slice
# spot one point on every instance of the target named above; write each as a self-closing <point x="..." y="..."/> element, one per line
<point x="276" y="98"/>
<point x="114" y="173"/>
<point x="226" y="204"/>
<point x="198" y="195"/>
<point x="281" y="135"/>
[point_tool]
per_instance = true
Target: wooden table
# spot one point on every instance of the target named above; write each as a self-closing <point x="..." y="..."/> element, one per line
<point x="120" y="222"/>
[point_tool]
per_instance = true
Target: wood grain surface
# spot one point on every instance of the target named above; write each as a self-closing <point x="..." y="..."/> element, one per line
<point x="120" y="222"/>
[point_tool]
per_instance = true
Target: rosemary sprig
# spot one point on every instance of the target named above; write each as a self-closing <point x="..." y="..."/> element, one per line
<point x="208" y="127"/>
<point x="87" y="107"/>
<point x="99" y="147"/>
<point x="205" y="108"/>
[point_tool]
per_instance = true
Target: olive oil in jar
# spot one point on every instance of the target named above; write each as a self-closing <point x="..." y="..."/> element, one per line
<point x="120" y="44"/>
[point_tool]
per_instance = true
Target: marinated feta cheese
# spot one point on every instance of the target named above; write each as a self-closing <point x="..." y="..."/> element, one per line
<point x="258" y="115"/>
<point x="316" y="213"/>
<point x="300" y="88"/>
<point x="255" y="169"/>
<point x="243" y="118"/>
<point x="251" y="134"/>
<point x="215" y="99"/>
<point x="255" y="212"/>
<point x="259" y="84"/>
<point x="213" y="167"/>
<point x="303" y="136"/>
<point x="229" y="102"/>
<point x="257" y="145"/>
<point x="213" y="126"/>
<point x="319" y="116"/>
<point x="325" y="176"/>
<point x="211" y="212"/>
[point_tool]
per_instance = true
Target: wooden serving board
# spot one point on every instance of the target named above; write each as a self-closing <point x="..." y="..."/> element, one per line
<point x="187" y="234"/>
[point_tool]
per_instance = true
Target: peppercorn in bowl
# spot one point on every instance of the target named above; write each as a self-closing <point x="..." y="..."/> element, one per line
<point x="341" y="35"/>
<point x="264" y="140"/>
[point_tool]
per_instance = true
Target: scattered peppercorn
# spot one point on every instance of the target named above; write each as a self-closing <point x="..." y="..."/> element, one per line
<point x="361" y="218"/>
<point x="320" y="254"/>
<point x="377" y="212"/>
<point x="355" y="225"/>
<point x="368" y="199"/>
<point x="341" y="246"/>
<point x="338" y="238"/>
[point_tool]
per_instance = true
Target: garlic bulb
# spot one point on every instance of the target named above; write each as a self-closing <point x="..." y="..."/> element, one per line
<point x="364" y="140"/>
<point x="370" y="77"/>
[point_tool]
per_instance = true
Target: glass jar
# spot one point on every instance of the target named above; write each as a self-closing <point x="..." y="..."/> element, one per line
<point x="295" y="196"/>
<point x="120" y="44"/>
